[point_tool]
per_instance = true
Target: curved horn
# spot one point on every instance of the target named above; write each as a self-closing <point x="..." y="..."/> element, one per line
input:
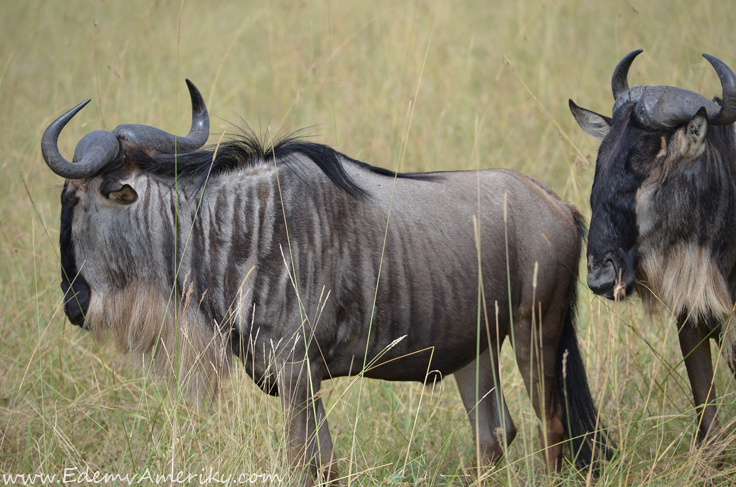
<point x="200" y="130"/>
<point x="153" y="139"/>
<point x="727" y="114"/>
<point x="665" y="107"/>
<point x="93" y="152"/>
<point x="620" y="78"/>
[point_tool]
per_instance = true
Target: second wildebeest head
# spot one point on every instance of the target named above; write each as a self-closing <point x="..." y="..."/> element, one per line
<point x="664" y="195"/>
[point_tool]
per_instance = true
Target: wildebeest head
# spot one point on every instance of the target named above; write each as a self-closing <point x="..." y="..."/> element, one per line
<point x="118" y="241"/>
<point x="645" y="187"/>
<point x="96" y="185"/>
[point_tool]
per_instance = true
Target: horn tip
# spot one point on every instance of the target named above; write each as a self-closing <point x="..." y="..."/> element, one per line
<point x="630" y="56"/>
<point x="711" y="59"/>
<point x="715" y="62"/>
<point x="724" y="72"/>
<point x="193" y="90"/>
<point x="198" y="104"/>
<point x="80" y="106"/>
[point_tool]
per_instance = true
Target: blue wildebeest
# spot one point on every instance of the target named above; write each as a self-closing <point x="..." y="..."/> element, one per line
<point x="664" y="213"/>
<point x="285" y="255"/>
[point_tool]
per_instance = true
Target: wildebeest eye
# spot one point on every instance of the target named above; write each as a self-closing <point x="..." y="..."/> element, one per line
<point x="122" y="194"/>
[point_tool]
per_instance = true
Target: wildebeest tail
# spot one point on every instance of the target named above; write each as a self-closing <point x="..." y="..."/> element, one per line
<point x="588" y="437"/>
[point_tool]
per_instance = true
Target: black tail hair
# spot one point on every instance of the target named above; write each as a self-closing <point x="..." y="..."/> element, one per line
<point x="589" y="440"/>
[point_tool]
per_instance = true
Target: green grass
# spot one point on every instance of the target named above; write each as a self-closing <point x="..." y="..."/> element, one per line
<point x="492" y="93"/>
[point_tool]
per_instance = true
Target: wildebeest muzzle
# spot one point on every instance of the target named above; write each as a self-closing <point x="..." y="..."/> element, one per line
<point x="76" y="300"/>
<point x="612" y="276"/>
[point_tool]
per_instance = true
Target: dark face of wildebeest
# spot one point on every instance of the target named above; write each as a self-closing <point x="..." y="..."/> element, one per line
<point x="309" y="265"/>
<point x="660" y="181"/>
<point x="664" y="210"/>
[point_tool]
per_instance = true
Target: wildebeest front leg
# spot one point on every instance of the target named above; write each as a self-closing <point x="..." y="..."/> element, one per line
<point x="327" y="467"/>
<point x="487" y="411"/>
<point x="695" y="347"/>
<point x="309" y="446"/>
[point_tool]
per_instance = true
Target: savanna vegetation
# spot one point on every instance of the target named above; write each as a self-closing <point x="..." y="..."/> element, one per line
<point x="411" y="86"/>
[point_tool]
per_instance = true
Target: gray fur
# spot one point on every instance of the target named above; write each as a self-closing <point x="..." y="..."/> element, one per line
<point x="310" y="265"/>
<point x="240" y="273"/>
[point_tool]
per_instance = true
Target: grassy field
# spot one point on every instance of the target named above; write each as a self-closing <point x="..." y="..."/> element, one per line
<point x="460" y="84"/>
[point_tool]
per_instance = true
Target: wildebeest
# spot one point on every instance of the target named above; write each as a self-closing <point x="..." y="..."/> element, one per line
<point x="664" y="213"/>
<point x="310" y="265"/>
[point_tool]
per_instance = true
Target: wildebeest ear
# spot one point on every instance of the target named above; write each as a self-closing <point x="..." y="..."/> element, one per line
<point x="122" y="194"/>
<point x="693" y="141"/>
<point x="594" y="124"/>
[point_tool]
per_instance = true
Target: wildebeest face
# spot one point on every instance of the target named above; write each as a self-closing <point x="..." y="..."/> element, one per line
<point x="630" y="157"/>
<point x="83" y="213"/>
<point x="95" y="238"/>
<point x="640" y="186"/>
<point x="628" y="153"/>
<point x="118" y="248"/>
<point x="645" y="172"/>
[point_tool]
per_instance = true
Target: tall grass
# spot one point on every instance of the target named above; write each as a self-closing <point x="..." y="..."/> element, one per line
<point x="492" y="92"/>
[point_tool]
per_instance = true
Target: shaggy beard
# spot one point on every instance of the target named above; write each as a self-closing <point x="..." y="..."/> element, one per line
<point x="176" y="344"/>
<point x="686" y="281"/>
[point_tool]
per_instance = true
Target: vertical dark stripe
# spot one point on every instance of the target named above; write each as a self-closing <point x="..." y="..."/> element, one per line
<point x="77" y="301"/>
<point x="167" y="238"/>
<point x="66" y="244"/>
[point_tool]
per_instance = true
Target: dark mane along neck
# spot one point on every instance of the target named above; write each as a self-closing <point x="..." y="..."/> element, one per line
<point x="246" y="149"/>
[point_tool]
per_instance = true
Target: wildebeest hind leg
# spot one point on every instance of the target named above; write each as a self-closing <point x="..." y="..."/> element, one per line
<point x="490" y="420"/>
<point x="537" y="362"/>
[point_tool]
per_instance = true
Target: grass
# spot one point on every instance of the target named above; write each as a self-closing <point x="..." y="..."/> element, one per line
<point x="486" y="86"/>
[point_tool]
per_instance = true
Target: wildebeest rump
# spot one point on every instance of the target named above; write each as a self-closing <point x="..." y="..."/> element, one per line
<point x="664" y="213"/>
<point x="284" y="254"/>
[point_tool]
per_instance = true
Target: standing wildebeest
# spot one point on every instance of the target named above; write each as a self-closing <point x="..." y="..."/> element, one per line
<point x="285" y="256"/>
<point x="664" y="213"/>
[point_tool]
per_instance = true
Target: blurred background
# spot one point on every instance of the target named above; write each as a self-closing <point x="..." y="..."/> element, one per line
<point x="457" y="85"/>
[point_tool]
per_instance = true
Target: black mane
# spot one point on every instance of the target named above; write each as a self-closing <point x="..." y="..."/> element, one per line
<point x="246" y="149"/>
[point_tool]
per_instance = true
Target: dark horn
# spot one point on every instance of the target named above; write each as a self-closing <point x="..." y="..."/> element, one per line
<point x="152" y="139"/>
<point x="620" y="79"/>
<point x="94" y="151"/>
<point x="727" y="114"/>
<point x="200" y="131"/>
